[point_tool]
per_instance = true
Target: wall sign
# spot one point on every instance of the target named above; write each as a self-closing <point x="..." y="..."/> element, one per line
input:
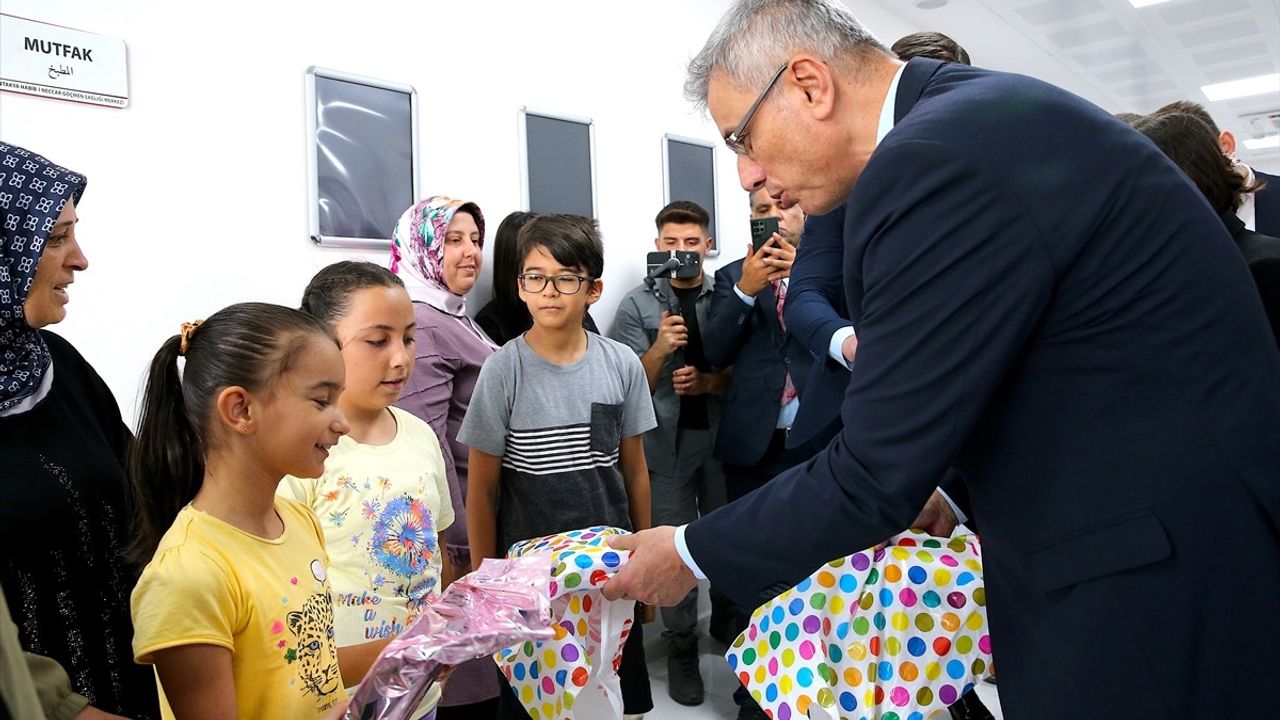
<point x="52" y="61"/>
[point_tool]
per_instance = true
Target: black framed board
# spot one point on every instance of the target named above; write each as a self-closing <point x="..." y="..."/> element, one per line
<point x="689" y="173"/>
<point x="557" y="163"/>
<point x="362" y="157"/>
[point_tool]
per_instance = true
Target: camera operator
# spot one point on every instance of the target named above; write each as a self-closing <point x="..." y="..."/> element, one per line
<point x="685" y="480"/>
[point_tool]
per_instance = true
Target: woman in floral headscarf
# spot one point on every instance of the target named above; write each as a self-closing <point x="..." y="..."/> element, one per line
<point x="63" y="520"/>
<point x="436" y="251"/>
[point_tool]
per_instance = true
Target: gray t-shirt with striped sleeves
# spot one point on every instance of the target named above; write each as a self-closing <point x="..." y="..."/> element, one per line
<point x="557" y="429"/>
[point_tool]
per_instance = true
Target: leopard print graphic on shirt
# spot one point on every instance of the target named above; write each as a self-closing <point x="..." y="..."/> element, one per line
<point x="315" y="650"/>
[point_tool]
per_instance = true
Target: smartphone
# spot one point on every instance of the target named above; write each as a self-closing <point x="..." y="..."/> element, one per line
<point x="761" y="230"/>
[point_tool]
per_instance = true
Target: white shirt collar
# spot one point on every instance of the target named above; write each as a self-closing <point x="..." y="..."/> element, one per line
<point x="1246" y="212"/>
<point x="887" y="110"/>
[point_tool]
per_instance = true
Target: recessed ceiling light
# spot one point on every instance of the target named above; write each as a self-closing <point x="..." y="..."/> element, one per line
<point x="930" y="4"/>
<point x="1263" y="143"/>
<point x="1245" y="87"/>
<point x="1145" y="3"/>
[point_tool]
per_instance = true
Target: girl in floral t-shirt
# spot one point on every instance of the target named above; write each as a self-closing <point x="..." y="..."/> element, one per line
<point x="384" y="495"/>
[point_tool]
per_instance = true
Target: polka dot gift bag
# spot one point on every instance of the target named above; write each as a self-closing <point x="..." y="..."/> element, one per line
<point x="895" y="634"/>
<point x="575" y="674"/>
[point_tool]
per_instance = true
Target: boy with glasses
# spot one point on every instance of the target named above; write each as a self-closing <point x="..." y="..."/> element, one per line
<point x="555" y="422"/>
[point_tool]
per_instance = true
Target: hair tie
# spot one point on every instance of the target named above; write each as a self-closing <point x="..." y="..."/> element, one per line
<point x="188" y="329"/>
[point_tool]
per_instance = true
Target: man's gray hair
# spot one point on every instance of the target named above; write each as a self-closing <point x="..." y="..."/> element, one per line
<point x="756" y="36"/>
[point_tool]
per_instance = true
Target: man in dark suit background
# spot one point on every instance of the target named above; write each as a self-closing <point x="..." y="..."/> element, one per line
<point x="1259" y="210"/>
<point x="1045" y="304"/>
<point x="1192" y="145"/>
<point x="745" y="331"/>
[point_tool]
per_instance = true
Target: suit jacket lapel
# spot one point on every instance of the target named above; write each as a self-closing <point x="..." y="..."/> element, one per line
<point x="915" y="78"/>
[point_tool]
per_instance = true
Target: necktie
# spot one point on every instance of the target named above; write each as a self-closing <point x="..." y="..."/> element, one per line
<point x="780" y="291"/>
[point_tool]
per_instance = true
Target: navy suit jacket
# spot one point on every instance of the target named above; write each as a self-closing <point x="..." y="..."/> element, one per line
<point x="1045" y="302"/>
<point x="1262" y="255"/>
<point x="815" y="302"/>
<point x="1266" y="206"/>
<point x="751" y="340"/>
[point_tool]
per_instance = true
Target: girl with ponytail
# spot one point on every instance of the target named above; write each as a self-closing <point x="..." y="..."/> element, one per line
<point x="233" y="606"/>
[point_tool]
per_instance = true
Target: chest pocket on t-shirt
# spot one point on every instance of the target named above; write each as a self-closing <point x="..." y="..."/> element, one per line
<point x="606" y="427"/>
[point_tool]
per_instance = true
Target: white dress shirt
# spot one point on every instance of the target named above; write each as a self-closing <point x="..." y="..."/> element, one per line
<point x="1246" y="211"/>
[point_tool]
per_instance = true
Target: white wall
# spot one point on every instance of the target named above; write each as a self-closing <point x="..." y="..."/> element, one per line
<point x="197" y="191"/>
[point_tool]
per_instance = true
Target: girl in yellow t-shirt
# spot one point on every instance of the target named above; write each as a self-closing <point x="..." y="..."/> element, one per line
<point x="233" y="606"/>
<point x="384" y="495"/>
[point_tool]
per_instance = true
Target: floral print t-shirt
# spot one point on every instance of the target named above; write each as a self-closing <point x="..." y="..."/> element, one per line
<point x="382" y="508"/>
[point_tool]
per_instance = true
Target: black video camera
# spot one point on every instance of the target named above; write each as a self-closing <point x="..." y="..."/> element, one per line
<point x="674" y="265"/>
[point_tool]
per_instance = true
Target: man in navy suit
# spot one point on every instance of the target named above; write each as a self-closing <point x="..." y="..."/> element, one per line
<point x="1260" y="210"/>
<point x="1266" y="204"/>
<point x="1045" y="304"/>
<point x="744" y="330"/>
<point x="817" y="314"/>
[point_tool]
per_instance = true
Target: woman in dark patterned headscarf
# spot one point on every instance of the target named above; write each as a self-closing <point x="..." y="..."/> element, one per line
<point x="63" y="521"/>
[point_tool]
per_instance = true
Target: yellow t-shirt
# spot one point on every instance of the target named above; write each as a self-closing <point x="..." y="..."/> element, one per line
<point x="381" y="508"/>
<point x="265" y="600"/>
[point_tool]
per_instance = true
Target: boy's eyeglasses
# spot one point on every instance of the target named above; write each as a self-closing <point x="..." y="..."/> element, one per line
<point x="564" y="284"/>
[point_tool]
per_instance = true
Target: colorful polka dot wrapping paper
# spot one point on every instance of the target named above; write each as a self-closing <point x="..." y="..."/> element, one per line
<point x="574" y="674"/>
<point x="895" y="634"/>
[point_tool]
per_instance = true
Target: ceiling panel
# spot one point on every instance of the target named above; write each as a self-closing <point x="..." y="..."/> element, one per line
<point x="1145" y="87"/>
<point x="1128" y="52"/>
<point x="1234" y="53"/>
<point x="1121" y="57"/>
<point x="1056" y="11"/>
<point x="1229" y="32"/>
<point x="1129" y="72"/>
<point x="1084" y="35"/>
<point x="1253" y="68"/>
<point x="1190" y="12"/>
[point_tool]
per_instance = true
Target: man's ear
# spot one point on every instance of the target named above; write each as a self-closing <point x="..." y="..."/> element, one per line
<point x="1227" y="142"/>
<point x="234" y="408"/>
<point x="813" y="78"/>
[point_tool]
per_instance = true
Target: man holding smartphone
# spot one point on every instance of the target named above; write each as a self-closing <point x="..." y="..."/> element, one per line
<point x="745" y="331"/>
<point x="788" y="223"/>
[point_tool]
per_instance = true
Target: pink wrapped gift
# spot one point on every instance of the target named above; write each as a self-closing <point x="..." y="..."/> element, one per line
<point x="502" y="603"/>
<point x="898" y="634"/>
<point x="574" y="673"/>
